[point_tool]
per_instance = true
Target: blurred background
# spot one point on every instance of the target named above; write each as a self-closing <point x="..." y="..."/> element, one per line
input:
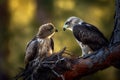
<point x="20" y="20"/>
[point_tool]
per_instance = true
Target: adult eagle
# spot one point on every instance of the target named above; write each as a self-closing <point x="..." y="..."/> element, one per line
<point x="88" y="36"/>
<point x="42" y="45"/>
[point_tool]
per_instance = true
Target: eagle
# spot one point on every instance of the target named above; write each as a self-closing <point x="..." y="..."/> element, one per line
<point x="88" y="37"/>
<point x="42" y="45"/>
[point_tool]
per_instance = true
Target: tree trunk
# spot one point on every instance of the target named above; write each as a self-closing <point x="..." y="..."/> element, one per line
<point x="4" y="37"/>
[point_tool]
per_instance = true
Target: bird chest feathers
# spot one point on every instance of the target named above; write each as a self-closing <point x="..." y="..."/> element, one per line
<point x="85" y="48"/>
<point x="44" y="48"/>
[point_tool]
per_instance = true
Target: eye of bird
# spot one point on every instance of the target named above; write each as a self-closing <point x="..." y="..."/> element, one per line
<point x="50" y="28"/>
<point x="67" y="23"/>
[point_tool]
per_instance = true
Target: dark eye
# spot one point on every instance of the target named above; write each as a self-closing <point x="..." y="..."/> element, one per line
<point x="67" y="23"/>
<point x="50" y="28"/>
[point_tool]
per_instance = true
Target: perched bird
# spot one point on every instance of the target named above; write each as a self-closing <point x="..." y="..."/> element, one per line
<point x="89" y="38"/>
<point x="42" y="45"/>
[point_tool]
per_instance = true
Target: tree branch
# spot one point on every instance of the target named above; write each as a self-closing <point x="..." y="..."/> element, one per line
<point x="70" y="68"/>
<point x="116" y="32"/>
<point x="98" y="61"/>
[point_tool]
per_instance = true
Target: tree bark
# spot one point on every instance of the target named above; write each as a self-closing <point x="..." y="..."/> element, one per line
<point x="116" y="32"/>
<point x="102" y="59"/>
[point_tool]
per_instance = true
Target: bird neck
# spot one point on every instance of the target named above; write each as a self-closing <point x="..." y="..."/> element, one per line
<point x="80" y="23"/>
<point x="41" y="37"/>
<point x="51" y="35"/>
<point x="40" y="40"/>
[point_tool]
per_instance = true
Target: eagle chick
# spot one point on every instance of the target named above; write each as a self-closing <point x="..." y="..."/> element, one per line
<point x="42" y="45"/>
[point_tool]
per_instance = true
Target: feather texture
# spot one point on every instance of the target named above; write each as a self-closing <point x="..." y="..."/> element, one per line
<point x="89" y="35"/>
<point x="38" y="47"/>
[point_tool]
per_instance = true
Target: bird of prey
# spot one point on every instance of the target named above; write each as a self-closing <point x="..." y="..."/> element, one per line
<point x="42" y="45"/>
<point x="89" y="38"/>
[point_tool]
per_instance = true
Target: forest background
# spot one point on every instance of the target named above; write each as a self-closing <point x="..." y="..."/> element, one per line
<point x="20" y="20"/>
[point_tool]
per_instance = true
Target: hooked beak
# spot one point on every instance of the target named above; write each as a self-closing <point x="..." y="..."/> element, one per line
<point x="65" y="27"/>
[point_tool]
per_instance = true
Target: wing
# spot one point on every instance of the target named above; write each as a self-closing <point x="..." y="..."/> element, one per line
<point x="52" y="44"/>
<point x="89" y="35"/>
<point x="31" y="50"/>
